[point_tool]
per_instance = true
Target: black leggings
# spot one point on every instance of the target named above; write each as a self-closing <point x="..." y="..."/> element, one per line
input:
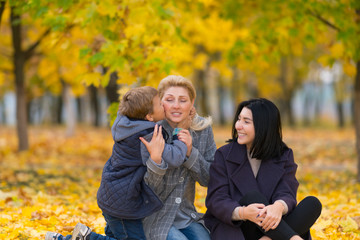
<point x="297" y="222"/>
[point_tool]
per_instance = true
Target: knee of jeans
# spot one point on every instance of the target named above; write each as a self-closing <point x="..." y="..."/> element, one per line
<point x="175" y="234"/>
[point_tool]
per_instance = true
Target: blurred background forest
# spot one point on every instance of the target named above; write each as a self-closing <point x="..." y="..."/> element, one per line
<point x="64" y="64"/>
<point x="67" y="61"/>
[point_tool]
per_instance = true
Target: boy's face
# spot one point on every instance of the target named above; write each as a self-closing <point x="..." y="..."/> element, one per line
<point x="158" y="110"/>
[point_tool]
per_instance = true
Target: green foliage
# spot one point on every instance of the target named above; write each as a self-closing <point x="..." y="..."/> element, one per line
<point x="112" y="111"/>
<point x="162" y="12"/>
<point x="96" y="59"/>
<point x="84" y="52"/>
<point x="66" y="4"/>
<point x="147" y="40"/>
<point x="57" y="23"/>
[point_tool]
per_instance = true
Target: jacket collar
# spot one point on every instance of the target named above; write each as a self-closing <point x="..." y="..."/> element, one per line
<point x="269" y="174"/>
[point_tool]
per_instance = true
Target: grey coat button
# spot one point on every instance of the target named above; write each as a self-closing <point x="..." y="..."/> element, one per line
<point x="178" y="200"/>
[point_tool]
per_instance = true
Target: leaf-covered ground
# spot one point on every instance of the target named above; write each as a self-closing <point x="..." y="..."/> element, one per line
<point x="53" y="186"/>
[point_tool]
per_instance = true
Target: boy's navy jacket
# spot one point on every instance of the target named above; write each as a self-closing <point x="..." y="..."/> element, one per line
<point x="123" y="192"/>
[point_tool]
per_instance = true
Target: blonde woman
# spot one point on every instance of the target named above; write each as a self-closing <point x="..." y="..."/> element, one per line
<point x="178" y="219"/>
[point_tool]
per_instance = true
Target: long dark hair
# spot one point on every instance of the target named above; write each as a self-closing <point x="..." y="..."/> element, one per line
<point x="267" y="123"/>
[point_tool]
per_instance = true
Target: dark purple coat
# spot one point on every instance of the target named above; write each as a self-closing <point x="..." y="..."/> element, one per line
<point x="231" y="178"/>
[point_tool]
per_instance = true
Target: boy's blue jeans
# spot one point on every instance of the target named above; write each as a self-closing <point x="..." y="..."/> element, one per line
<point x="122" y="229"/>
<point x="119" y="229"/>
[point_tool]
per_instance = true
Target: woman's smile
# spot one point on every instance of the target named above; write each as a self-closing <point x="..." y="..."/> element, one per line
<point x="177" y="105"/>
<point x="245" y="128"/>
<point x="176" y="114"/>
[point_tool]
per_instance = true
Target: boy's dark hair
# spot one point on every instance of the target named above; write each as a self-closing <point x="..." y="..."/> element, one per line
<point x="267" y="124"/>
<point x="138" y="102"/>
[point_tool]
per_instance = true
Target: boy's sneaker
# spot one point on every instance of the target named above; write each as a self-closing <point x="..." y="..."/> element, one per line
<point x="54" y="236"/>
<point x="80" y="232"/>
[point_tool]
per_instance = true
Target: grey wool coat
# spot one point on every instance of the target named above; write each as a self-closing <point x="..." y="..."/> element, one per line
<point x="176" y="186"/>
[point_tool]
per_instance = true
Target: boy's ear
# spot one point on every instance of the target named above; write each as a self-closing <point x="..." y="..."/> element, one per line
<point x="149" y="117"/>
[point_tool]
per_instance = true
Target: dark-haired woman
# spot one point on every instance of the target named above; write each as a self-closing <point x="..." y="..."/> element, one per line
<point x="252" y="188"/>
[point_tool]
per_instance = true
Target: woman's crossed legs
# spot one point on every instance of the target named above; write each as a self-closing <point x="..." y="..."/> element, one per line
<point x="297" y="222"/>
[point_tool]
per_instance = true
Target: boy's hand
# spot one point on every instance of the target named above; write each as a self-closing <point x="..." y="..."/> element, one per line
<point x="185" y="136"/>
<point x="156" y="146"/>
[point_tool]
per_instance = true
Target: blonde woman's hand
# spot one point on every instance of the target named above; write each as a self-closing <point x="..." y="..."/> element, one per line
<point x="156" y="146"/>
<point x="185" y="136"/>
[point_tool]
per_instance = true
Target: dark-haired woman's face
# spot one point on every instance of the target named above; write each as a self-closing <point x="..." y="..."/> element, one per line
<point x="245" y="128"/>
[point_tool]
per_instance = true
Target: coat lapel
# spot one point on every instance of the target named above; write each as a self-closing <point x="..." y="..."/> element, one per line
<point x="270" y="172"/>
<point x="269" y="175"/>
<point x="240" y="170"/>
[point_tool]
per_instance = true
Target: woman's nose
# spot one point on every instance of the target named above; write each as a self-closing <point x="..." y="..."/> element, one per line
<point x="176" y="104"/>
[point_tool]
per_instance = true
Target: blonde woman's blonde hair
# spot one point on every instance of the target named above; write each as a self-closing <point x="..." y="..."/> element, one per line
<point x="198" y="123"/>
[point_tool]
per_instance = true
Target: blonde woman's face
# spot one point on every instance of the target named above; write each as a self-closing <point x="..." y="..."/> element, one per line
<point x="177" y="105"/>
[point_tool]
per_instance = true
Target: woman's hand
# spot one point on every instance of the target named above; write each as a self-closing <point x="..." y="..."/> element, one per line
<point x="185" y="136"/>
<point x="252" y="211"/>
<point x="156" y="146"/>
<point x="271" y="216"/>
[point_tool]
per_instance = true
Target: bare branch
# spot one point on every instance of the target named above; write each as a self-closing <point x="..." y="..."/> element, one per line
<point x="6" y="70"/>
<point x="29" y="52"/>
<point x="5" y="52"/>
<point x="323" y="20"/>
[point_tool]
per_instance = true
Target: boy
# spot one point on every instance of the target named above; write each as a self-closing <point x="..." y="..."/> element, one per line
<point x="123" y="195"/>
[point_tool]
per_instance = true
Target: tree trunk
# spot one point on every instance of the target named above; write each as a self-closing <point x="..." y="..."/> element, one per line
<point x="112" y="89"/>
<point x="340" y="114"/>
<point x="289" y="111"/>
<point x="306" y="106"/>
<point x="28" y="112"/>
<point x="70" y="119"/>
<point x="2" y="112"/>
<point x="221" y="94"/>
<point x="201" y="92"/>
<point x="2" y="8"/>
<point x="94" y="104"/>
<point x="235" y="86"/>
<point x="357" y="102"/>
<point x="19" y="62"/>
<point x="56" y="108"/>
<point x="318" y="96"/>
<point x="352" y="112"/>
<point x="339" y="87"/>
<point x="357" y="115"/>
<point x="80" y="109"/>
<point x="287" y="93"/>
